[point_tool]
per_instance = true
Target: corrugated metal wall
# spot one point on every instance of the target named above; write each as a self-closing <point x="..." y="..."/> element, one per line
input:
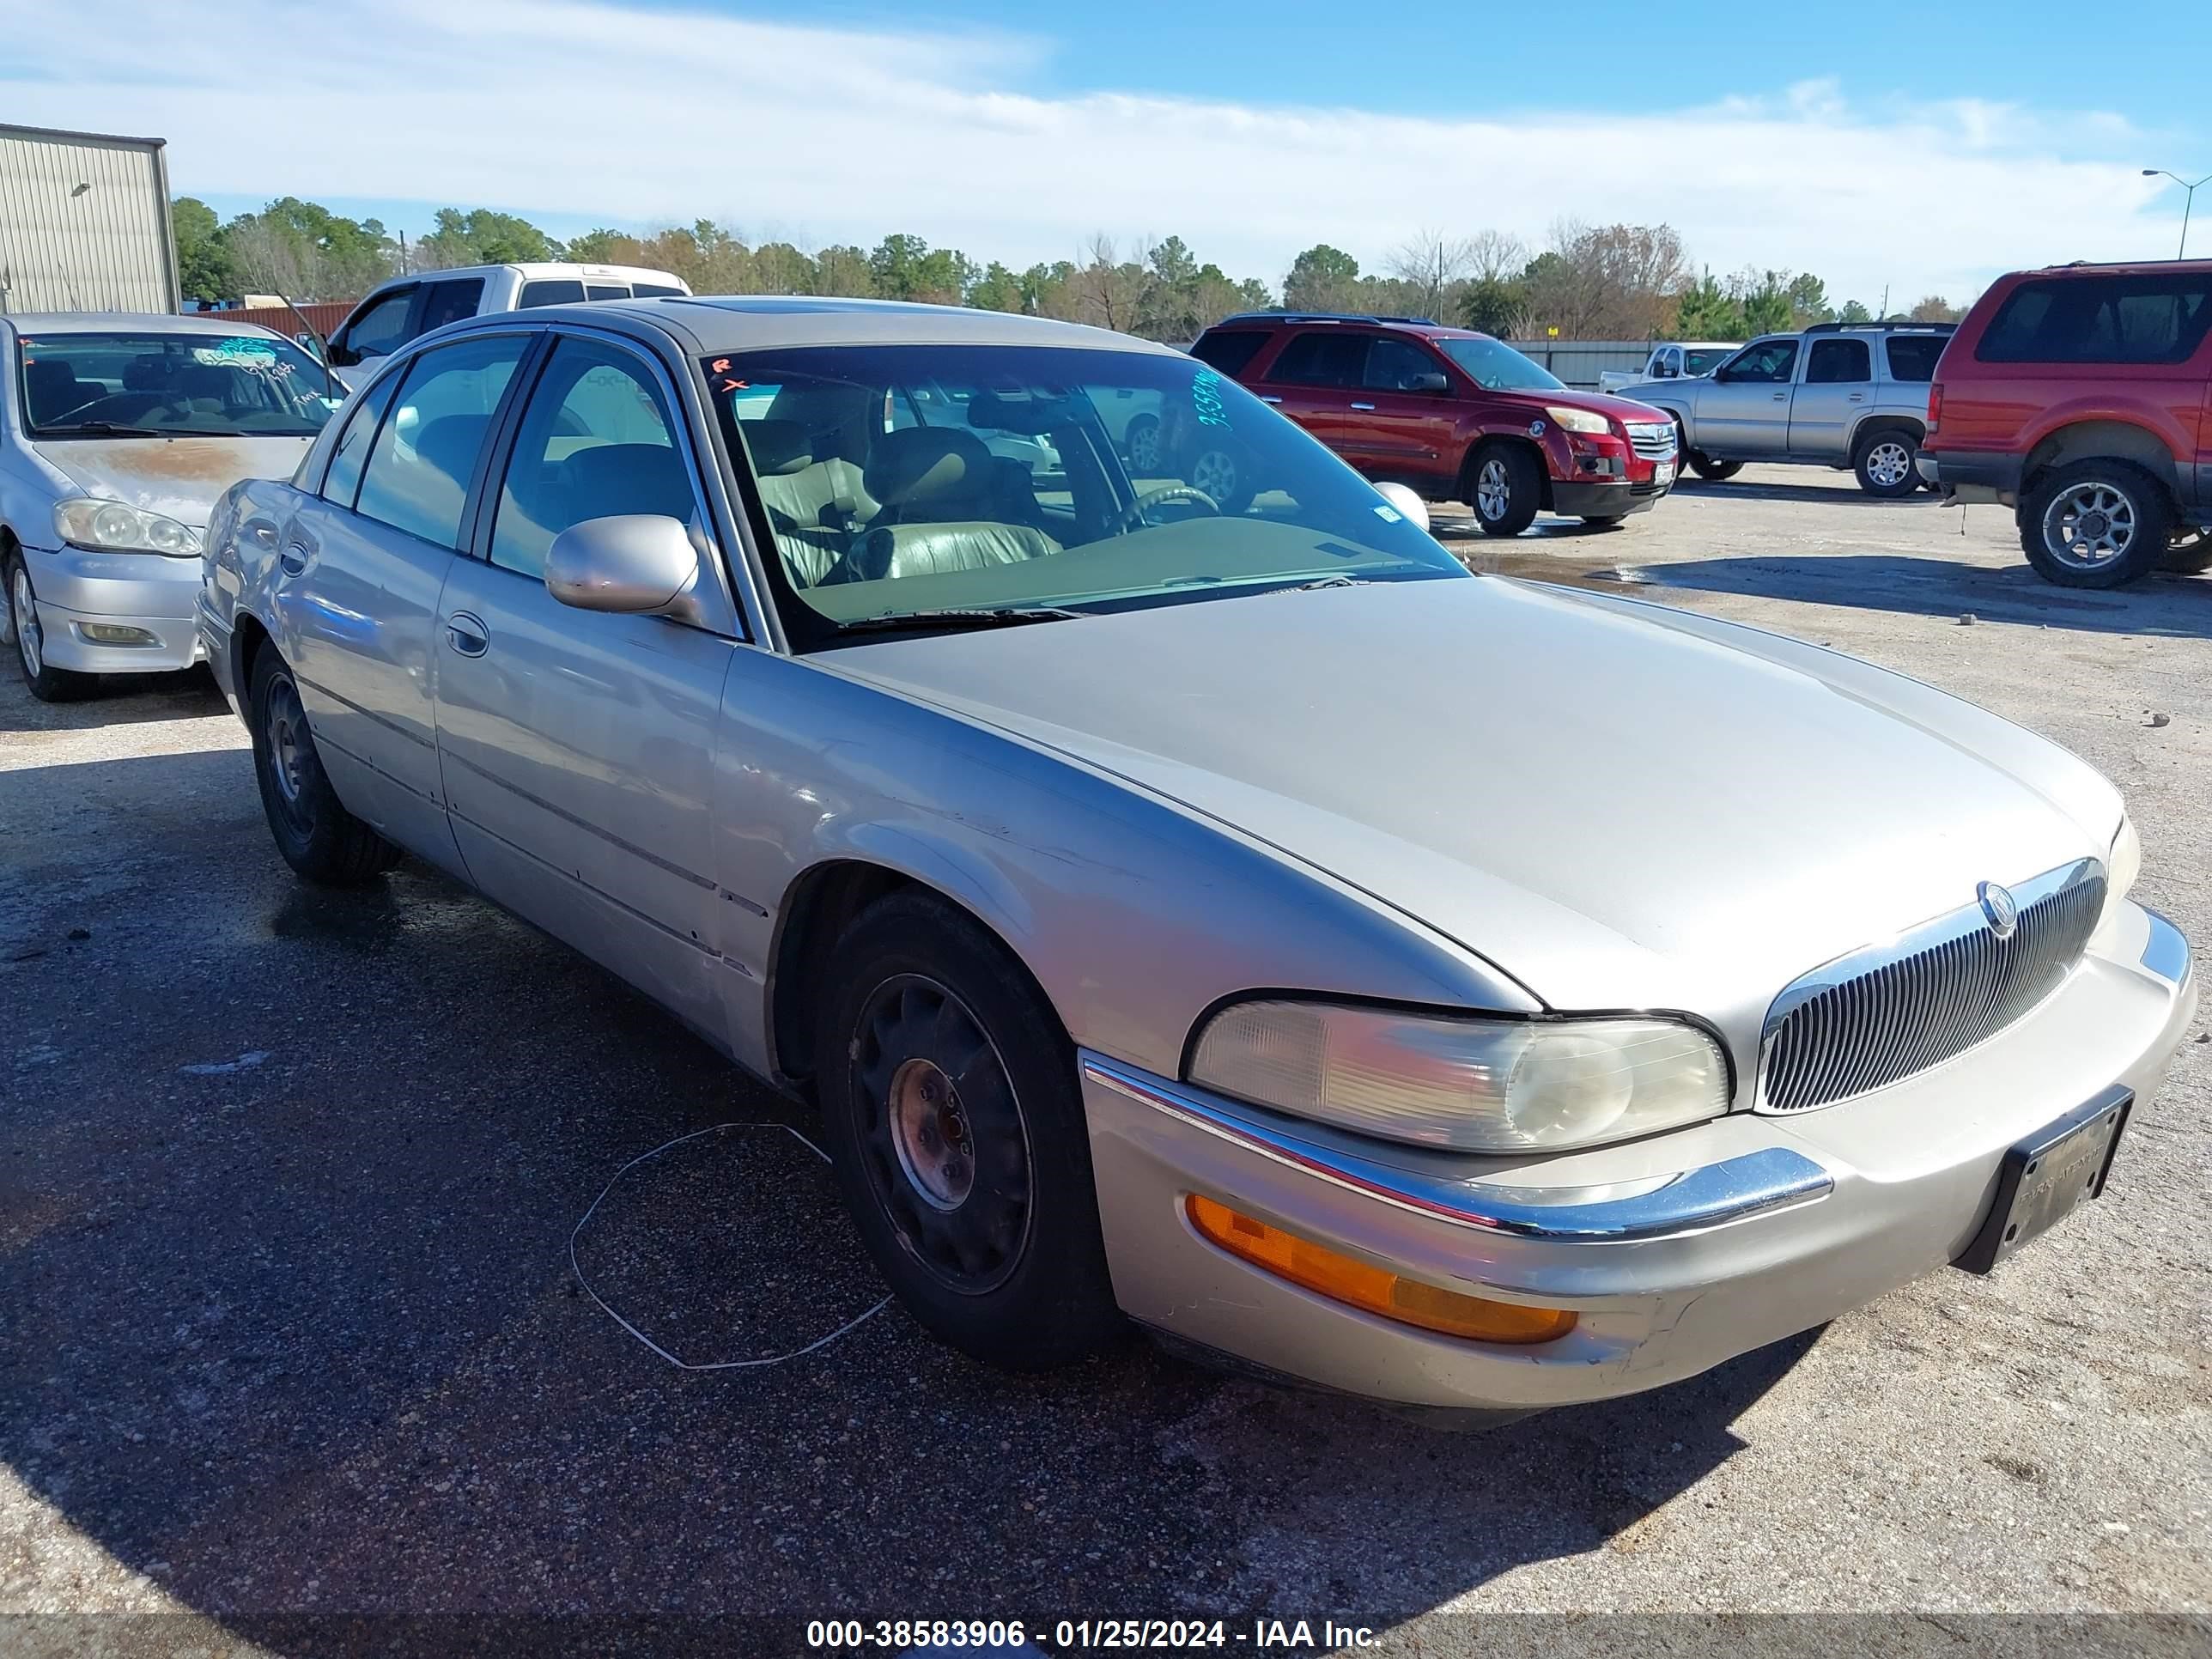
<point x="84" y="223"/>
<point x="1579" y="363"/>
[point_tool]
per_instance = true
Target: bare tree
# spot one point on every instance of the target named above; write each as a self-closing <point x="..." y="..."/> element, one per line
<point x="1107" y="288"/>
<point x="1496" y="256"/>
<point x="1431" y="264"/>
<point x="268" y="261"/>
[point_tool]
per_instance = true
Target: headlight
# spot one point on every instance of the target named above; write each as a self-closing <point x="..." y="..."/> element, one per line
<point x="2123" y="863"/>
<point x="113" y="527"/>
<point x="1580" y="420"/>
<point x="1475" y="1086"/>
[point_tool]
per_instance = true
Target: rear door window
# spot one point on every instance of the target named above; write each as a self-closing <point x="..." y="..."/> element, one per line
<point x="2152" y="317"/>
<point x="1228" y="349"/>
<point x="418" y="472"/>
<point x="550" y="291"/>
<point x="450" y="301"/>
<point x="1321" y="358"/>
<point x="657" y="291"/>
<point x="605" y="291"/>
<point x="1836" y="362"/>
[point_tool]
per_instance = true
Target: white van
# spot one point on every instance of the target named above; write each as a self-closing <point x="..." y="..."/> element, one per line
<point x="396" y="312"/>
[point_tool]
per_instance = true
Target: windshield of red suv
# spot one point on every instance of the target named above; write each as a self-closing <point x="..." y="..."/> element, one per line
<point x="1496" y="367"/>
<point x="918" y="484"/>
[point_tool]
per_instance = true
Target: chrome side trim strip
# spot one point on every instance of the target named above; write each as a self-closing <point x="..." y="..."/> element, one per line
<point x="1691" y="1201"/>
<point x="2165" y="952"/>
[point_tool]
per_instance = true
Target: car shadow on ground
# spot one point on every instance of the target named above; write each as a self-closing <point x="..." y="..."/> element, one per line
<point x="285" y="1219"/>
<point x="113" y="700"/>
<point x="2176" y="606"/>
<point x="1843" y="491"/>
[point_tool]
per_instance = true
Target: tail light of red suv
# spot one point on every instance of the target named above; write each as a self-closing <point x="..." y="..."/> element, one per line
<point x="1934" y="405"/>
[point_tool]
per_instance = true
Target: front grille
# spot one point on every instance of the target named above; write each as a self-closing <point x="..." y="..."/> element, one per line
<point x="1878" y="1015"/>
<point x="1654" y="441"/>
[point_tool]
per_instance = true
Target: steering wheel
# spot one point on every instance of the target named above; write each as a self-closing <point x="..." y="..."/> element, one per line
<point x="1134" y="518"/>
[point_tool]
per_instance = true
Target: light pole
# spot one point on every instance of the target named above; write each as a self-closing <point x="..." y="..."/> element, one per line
<point x="2160" y="172"/>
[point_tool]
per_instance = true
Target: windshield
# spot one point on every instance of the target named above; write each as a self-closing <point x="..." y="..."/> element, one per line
<point x="903" y="480"/>
<point x="1496" y="367"/>
<point x="170" y="386"/>
<point x="1705" y="359"/>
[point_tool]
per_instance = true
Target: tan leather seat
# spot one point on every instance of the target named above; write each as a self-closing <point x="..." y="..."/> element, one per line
<point x="948" y="504"/>
<point x="813" y="506"/>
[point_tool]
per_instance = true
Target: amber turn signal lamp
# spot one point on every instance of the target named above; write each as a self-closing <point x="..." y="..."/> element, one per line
<point x="1371" y="1290"/>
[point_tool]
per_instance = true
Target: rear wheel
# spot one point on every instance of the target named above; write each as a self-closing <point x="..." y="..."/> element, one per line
<point x="2191" y="556"/>
<point x="1885" y="463"/>
<point x="2096" y="524"/>
<point x="954" y="1120"/>
<point x="319" y="838"/>
<point x="1508" y="489"/>
<point x="46" y="683"/>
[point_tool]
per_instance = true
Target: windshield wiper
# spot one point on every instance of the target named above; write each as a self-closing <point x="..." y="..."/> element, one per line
<point x="1002" y="617"/>
<point x="104" y="429"/>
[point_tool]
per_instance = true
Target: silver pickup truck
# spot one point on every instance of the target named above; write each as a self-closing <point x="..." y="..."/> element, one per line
<point x="1840" y="395"/>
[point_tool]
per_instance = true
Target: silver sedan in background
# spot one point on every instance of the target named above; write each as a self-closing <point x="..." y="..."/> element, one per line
<point x="1233" y="916"/>
<point x="118" y="433"/>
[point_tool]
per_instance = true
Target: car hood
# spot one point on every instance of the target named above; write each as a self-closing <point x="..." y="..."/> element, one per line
<point x="1621" y="806"/>
<point x="179" y="478"/>
<point x="1615" y="404"/>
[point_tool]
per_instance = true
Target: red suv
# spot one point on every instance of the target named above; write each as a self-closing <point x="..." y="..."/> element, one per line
<point x="1455" y="414"/>
<point x="2080" y="397"/>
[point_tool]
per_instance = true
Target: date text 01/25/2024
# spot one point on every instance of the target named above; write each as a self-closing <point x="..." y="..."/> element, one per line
<point x="935" y="1635"/>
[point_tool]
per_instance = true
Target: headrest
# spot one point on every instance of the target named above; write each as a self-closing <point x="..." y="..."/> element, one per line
<point x="145" y="373"/>
<point x="1020" y="409"/>
<point x="778" y="446"/>
<point x="924" y="465"/>
<point x="630" y="478"/>
<point x="50" y="374"/>
<point x="450" y="443"/>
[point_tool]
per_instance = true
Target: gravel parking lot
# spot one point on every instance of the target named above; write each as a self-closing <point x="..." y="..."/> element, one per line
<point x="289" y="1325"/>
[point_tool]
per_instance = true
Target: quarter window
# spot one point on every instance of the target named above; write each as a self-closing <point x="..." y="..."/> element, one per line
<point x="1914" y="357"/>
<point x="1836" y="362"/>
<point x="596" y="440"/>
<point x="1321" y="359"/>
<point x="343" y="478"/>
<point x="2152" y="318"/>
<point x="418" y="472"/>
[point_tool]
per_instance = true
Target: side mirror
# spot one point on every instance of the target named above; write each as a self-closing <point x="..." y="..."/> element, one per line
<point x="308" y="343"/>
<point x="341" y="356"/>
<point x="1431" y="385"/>
<point x="1723" y="374"/>
<point x="632" y="563"/>
<point x="1405" y="501"/>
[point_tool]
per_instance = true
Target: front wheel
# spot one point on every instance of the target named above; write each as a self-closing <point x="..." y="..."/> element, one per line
<point x="2096" y="524"/>
<point x="1508" y="490"/>
<point x="1603" y="520"/>
<point x="1885" y="463"/>
<point x="2189" y="557"/>
<point x="956" y="1125"/>
<point x="45" y="681"/>
<point x="1141" y="444"/>
<point x="319" y="838"/>
<point x="1223" y="474"/>
<point x="1710" y="471"/>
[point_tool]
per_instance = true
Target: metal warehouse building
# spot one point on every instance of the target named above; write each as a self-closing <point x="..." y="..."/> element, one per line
<point x="84" y="222"/>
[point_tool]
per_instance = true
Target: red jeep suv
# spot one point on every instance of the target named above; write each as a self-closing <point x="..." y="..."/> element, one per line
<point x="1455" y="414"/>
<point x="2080" y="397"/>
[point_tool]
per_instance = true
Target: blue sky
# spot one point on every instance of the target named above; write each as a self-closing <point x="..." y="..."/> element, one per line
<point x="1924" y="156"/>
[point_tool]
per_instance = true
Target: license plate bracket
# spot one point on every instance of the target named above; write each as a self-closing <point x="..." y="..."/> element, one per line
<point x="1663" y="474"/>
<point x="2044" y="1177"/>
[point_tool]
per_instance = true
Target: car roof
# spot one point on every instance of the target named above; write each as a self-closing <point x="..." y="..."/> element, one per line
<point x="135" y="322"/>
<point x="754" y="322"/>
<point x="2119" y="268"/>
<point x="538" y="270"/>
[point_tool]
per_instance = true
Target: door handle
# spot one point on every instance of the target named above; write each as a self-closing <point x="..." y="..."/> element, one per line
<point x="1781" y="397"/>
<point x="467" y="634"/>
<point x="294" y="558"/>
<point x="1265" y="398"/>
<point x="1858" y="397"/>
<point x="1370" y="408"/>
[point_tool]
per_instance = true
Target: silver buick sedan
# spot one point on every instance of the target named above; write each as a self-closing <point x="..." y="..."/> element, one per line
<point x="1228" y="916"/>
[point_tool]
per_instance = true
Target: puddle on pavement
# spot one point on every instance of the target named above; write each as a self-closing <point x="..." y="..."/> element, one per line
<point x="368" y="919"/>
<point x="731" y="1246"/>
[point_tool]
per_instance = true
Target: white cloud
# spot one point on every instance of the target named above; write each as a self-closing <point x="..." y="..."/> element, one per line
<point x="841" y="134"/>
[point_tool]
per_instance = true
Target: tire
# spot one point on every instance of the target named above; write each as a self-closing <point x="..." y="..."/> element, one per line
<point x="1505" y="486"/>
<point x="1603" y="520"/>
<point x="1223" y="473"/>
<point x="318" y="837"/>
<point x="45" y="681"/>
<point x="1140" y="444"/>
<point x="953" y="1118"/>
<point x="1710" y="471"/>
<point x="2096" y="524"/>
<point x="2190" y="558"/>
<point x="1884" y="461"/>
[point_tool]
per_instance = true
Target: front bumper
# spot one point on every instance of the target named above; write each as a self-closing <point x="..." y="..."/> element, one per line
<point x="149" y="592"/>
<point x="1677" y="1252"/>
<point x="1576" y="499"/>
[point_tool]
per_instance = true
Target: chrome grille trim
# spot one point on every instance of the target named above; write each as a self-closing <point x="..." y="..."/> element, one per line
<point x="1887" y="1012"/>
<point x="1654" y="441"/>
